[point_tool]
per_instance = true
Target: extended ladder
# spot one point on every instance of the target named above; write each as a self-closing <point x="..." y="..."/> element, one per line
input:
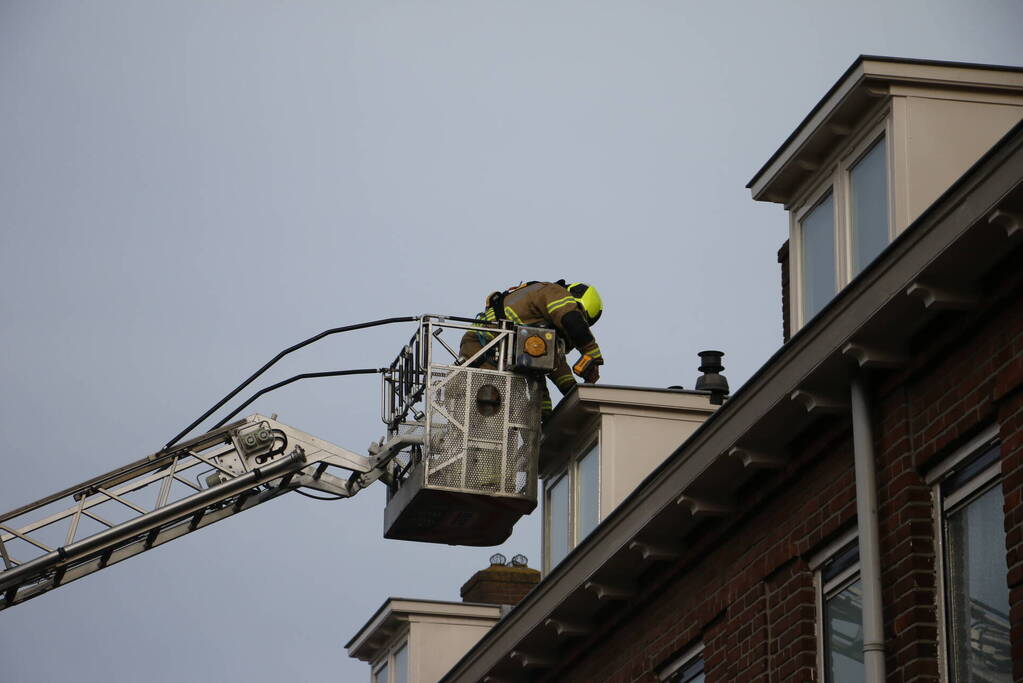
<point x="147" y="503"/>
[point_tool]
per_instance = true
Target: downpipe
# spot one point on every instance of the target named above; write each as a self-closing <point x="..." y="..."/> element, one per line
<point x="869" y="544"/>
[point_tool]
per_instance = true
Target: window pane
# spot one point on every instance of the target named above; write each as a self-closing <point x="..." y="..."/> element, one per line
<point x="557" y="522"/>
<point x="978" y="591"/>
<point x="381" y="675"/>
<point x="818" y="257"/>
<point x="868" y="206"/>
<point x="690" y="673"/>
<point x="843" y="635"/>
<point x="969" y="471"/>
<point x="401" y="665"/>
<point x="843" y="559"/>
<point x="695" y="678"/>
<point x="587" y="508"/>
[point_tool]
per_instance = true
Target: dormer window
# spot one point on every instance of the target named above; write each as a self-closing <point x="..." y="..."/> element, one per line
<point x="601" y="442"/>
<point x="869" y="224"/>
<point x="817" y="232"/>
<point x="587" y="493"/>
<point x="571" y="504"/>
<point x="846" y="222"/>
<point x="417" y="641"/>
<point x="394" y="667"/>
<point x="885" y="142"/>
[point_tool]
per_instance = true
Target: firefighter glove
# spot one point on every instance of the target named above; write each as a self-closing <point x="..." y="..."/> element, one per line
<point x="587" y="368"/>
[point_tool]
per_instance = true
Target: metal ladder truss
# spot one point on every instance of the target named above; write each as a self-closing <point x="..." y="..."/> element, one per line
<point x="147" y="503"/>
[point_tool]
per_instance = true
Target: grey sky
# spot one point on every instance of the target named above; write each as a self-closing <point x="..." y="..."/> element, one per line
<point x="188" y="187"/>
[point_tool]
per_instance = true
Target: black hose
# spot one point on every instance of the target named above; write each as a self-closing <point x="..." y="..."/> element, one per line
<point x="282" y="354"/>
<point x="306" y="375"/>
<point x="309" y="495"/>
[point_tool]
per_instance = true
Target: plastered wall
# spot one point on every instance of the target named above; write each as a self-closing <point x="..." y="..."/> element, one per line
<point x="436" y="645"/>
<point x="938" y="135"/>
<point x="632" y="446"/>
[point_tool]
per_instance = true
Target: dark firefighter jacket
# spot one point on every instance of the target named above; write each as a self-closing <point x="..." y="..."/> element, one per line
<point x="550" y="304"/>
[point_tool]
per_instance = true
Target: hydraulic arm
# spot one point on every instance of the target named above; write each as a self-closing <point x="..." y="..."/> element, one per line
<point x="112" y="517"/>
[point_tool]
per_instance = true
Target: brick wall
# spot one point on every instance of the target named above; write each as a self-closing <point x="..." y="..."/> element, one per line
<point x="744" y="588"/>
<point x="500" y="584"/>
<point x="756" y="623"/>
<point x="1007" y="395"/>
<point x="783" y="260"/>
<point x="1011" y="420"/>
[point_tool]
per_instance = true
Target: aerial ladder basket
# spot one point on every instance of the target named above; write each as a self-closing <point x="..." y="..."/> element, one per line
<point x="459" y="461"/>
<point x="472" y="473"/>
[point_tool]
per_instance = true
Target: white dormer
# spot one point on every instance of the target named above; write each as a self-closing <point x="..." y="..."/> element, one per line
<point x="417" y="641"/>
<point x="885" y="142"/>
<point x="601" y="442"/>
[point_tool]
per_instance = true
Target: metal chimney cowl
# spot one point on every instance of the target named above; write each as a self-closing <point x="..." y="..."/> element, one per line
<point x="712" y="380"/>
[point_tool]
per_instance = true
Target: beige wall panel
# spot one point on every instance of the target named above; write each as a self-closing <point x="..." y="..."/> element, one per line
<point x="631" y="447"/>
<point x="945" y="138"/>
<point x="435" y="647"/>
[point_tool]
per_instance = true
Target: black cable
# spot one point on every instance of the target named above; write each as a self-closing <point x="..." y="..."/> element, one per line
<point x="284" y="443"/>
<point x="309" y="495"/>
<point x="306" y="375"/>
<point x="282" y="354"/>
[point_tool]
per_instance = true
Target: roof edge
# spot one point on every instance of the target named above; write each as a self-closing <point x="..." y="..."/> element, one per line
<point x="389" y="607"/>
<point x="847" y="80"/>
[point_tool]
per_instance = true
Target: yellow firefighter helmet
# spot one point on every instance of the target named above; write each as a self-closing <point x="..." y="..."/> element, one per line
<point x="589" y="300"/>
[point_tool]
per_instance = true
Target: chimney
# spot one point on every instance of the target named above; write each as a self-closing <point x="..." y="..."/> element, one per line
<point x="712" y="380"/>
<point x="502" y="583"/>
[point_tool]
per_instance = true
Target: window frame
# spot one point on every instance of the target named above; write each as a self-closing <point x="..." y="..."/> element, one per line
<point x="393" y="656"/>
<point x="823" y="589"/>
<point x="548" y="487"/>
<point x="571" y="472"/>
<point x="687" y="658"/>
<point x="835" y="175"/>
<point x="388" y="661"/>
<point x="574" y="508"/>
<point x="824" y="192"/>
<point x="856" y="153"/>
<point x="975" y="487"/>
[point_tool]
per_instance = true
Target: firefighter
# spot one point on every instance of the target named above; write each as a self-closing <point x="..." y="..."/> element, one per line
<point x="571" y="309"/>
